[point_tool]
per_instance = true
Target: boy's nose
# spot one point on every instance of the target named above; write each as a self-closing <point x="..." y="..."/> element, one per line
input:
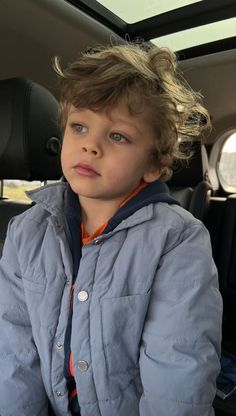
<point x="91" y="148"/>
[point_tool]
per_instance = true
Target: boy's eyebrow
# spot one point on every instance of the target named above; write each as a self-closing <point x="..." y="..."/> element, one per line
<point x="132" y="125"/>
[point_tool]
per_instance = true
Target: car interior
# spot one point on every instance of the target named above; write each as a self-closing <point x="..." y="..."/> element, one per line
<point x="202" y="34"/>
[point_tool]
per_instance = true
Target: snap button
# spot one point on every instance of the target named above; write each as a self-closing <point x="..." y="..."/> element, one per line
<point x="59" y="345"/>
<point x="97" y="240"/>
<point x="83" y="296"/>
<point x="58" y="393"/>
<point x="82" y="366"/>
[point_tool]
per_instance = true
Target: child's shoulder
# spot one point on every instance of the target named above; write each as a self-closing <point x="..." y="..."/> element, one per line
<point x="47" y="201"/>
<point x="173" y="225"/>
<point x="175" y="215"/>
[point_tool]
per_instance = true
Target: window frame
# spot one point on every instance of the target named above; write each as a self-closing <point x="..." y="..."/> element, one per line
<point x="214" y="162"/>
<point x="186" y="17"/>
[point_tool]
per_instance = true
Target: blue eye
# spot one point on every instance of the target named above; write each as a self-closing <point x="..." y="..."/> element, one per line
<point x="117" y="137"/>
<point x="79" y="128"/>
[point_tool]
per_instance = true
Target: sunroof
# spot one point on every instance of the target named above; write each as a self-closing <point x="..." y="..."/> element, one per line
<point x="195" y="26"/>
<point x="198" y="35"/>
<point x="136" y="10"/>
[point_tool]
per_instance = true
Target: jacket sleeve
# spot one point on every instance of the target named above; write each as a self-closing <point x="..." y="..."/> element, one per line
<point x="180" y="349"/>
<point x="21" y="387"/>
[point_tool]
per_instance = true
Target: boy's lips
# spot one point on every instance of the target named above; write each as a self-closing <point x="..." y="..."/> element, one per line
<point x="85" y="170"/>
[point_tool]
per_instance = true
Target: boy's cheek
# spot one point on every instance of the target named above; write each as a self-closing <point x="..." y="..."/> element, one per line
<point x="65" y="146"/>
<point x="64" y="158"/>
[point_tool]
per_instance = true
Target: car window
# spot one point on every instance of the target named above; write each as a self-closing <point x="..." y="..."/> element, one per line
<point x="226" y="165"/>
<point x="16" y="189"/>
<point x="198" y="35"/>
<point x="134" y="11"/>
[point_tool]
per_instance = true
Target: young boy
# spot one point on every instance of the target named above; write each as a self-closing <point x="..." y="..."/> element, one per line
<point x="109" y="295"/>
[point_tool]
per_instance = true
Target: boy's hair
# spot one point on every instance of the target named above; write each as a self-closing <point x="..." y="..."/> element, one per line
<point x="147" y="80"/>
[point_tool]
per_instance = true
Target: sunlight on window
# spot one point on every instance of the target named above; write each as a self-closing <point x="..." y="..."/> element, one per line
<point x="227" y="164"/>
<point x="135" y="10"/>
<point x="198" y="35"/>
<point x="230" y="144"/>
<point x="15" y="189"/>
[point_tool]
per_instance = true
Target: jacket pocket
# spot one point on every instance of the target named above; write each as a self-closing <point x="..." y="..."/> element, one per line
<point x="122" y="325"/>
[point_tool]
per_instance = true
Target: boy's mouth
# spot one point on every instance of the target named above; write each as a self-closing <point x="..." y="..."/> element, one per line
<point x="85" y="170"/>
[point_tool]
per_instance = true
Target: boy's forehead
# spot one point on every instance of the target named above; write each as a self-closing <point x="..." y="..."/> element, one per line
<point x="118" y="113"/>
<point x="72" y="109"/>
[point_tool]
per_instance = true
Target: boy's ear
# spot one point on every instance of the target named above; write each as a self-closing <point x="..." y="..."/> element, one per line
<point x="152" y="175"/>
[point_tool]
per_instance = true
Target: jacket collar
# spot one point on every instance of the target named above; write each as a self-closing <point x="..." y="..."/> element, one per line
<point x="51" y="197"/>
<point x="59" y="199"/>
<point x="155" y="192"/>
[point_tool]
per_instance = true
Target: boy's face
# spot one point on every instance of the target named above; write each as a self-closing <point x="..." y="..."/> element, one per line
<point x="104" y="157"/>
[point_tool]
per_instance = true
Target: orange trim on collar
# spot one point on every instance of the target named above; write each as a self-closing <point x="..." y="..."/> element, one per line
<point x="86" y="239"/>
<point x="71" y="368"/>
<point x="138" y="188"/>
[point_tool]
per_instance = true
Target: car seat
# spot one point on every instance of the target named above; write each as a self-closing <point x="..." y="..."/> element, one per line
<point x="190" y="184"/>
<point x="30" y="140"/>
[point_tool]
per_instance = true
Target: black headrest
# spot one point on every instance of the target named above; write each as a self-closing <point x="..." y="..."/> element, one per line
<point x="30" y="138"/>
<point x="192" y="171"/>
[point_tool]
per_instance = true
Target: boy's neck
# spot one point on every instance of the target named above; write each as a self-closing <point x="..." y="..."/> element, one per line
<point x="95" y="213"/>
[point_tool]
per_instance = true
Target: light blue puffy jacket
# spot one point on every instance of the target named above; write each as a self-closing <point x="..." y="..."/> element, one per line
<point x="146" y="340"/>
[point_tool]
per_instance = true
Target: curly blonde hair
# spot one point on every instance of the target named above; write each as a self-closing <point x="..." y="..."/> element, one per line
<point x="148" y="81"/>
